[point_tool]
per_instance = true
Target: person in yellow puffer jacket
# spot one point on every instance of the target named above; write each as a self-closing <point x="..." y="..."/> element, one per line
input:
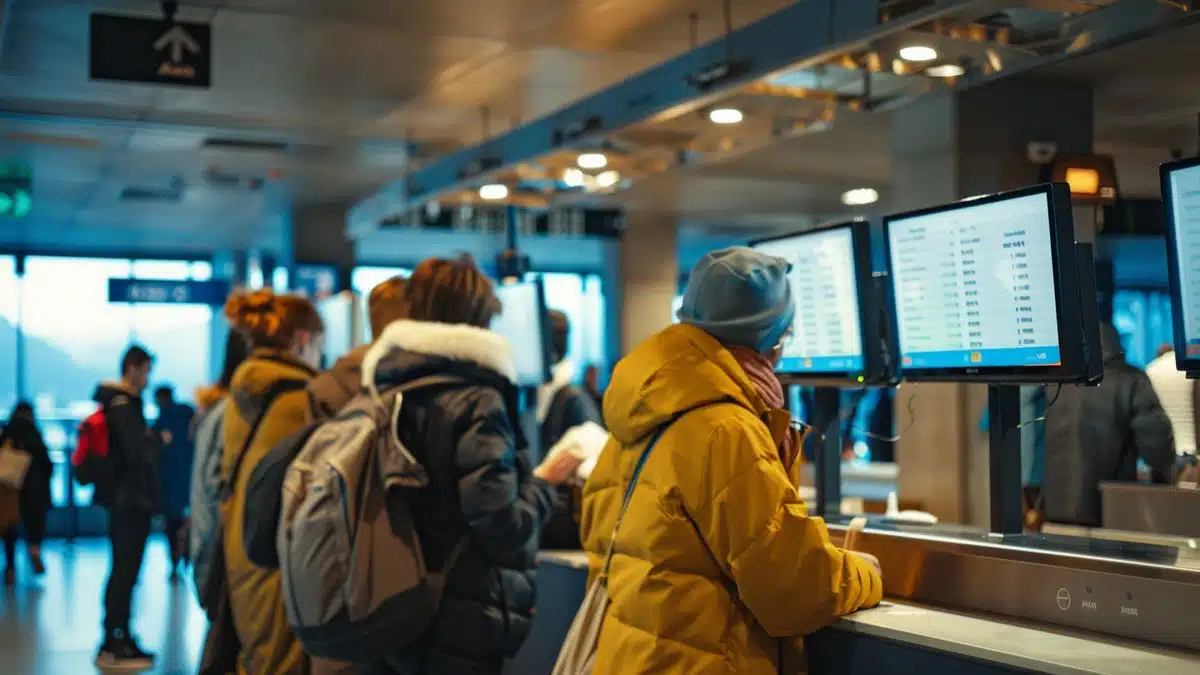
<point x="717" y="557"/>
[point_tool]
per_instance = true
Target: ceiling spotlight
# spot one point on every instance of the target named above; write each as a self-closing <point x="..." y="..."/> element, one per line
<point x="592" y="160"/>
<point x="945" y="70"/>
<point x="493" y="191"/>
<point x="573" y="177"/>
<point x="860" y="196"/>
<point x="608" y="178"/>
<point x="918" y="53"/>
<point x="725" y="116"/>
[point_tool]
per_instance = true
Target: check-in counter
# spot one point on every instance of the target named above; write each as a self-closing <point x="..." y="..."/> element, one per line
<point x="905" y="638"/>
<point x="964" y="603"/>
<point x="1156" y="509"/>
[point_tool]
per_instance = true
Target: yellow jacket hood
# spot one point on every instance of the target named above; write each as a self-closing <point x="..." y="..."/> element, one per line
<point x="679" y="369"/>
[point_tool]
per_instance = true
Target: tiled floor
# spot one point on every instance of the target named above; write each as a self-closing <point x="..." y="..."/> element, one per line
<point x="51" y="626"/>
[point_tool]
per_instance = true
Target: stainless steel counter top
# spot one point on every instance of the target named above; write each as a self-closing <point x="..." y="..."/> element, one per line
<point x="1001" y="641"/>
<point x="993" y="639"/>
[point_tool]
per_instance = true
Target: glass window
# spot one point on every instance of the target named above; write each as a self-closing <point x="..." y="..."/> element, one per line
<point x="1143" y="319"/>
<point x="675" y="305"/>
<point x="9" y="313"/>
<point x="170" y="270"/>
<point x="364" y="278"/>
<point x="74" y="338"/>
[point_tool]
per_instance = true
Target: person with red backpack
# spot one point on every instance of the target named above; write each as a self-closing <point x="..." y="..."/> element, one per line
<point x="126" y="478"/>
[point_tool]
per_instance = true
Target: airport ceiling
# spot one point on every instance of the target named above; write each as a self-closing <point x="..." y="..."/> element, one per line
<point x="324" y="101"/>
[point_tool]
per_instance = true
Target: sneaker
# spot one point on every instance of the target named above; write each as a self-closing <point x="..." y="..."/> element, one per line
<point x="120" y="652"/>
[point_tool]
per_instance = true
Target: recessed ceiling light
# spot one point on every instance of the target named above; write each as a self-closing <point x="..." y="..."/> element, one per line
<point x="573" y="177"/>
<point x="725" y="116"/>
<point x="493" y="191"/>
<point x="945" y="70"/>
<point x="608" y="178"/>
<point x="592" y="160"/>
<point x="918" y="53"/>
<point x="860" y="196"/>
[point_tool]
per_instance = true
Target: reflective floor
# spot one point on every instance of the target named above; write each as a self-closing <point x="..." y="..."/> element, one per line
<point x="51" y="625"/>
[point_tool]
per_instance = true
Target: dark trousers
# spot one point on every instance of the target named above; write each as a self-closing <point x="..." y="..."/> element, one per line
<point x="173" y="529"/>
<point x="34" y="521"/>
<point x="127" y="532"/>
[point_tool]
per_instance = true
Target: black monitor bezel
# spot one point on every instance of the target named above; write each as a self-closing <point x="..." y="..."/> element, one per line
<point x="543" y="329"/>
<point x="873" y="372"/>
<point x="1073" y="345"/>
<point x="1179" y="337"/>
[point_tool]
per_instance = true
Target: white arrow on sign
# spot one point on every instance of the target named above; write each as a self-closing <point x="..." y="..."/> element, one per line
<point x="178" y="40"/>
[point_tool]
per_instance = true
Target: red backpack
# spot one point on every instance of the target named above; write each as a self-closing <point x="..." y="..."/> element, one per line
<point x="91" y="449"/>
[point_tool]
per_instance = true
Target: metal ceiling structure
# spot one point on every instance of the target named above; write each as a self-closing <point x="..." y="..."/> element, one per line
<point x="320" y="102"/>
<point x="803" y="71"/>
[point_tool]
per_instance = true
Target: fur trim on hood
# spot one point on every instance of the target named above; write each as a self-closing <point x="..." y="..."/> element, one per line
<point x="458" y="342"/>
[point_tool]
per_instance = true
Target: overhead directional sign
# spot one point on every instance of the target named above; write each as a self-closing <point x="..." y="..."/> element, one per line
<point x="150" y="51"/>
<point x="158" y="291"/>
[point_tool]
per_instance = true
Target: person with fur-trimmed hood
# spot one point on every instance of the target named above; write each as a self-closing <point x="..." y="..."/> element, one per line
<point x="482" y="483"/>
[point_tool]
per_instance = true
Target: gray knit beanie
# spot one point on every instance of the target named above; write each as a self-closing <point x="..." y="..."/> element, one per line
<point x="741" y="297"/>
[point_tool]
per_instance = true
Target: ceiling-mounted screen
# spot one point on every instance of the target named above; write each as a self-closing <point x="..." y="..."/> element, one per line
<point x="1181" y="200"/>
<point x="835" y="335"/>
<point x="988" y="289"/>
<point x="522" y="322"/>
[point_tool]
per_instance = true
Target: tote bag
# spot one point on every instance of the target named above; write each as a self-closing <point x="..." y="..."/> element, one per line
<point x="578" y="654"/>
<point x="14" y="466"/>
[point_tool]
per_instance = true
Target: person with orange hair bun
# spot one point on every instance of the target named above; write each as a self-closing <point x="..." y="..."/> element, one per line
<point x="267" y="401"/>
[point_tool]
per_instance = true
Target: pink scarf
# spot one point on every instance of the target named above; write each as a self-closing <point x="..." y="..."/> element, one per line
<point x="762" y="374"/>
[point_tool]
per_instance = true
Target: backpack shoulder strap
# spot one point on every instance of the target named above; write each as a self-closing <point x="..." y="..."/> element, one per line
<point x="633" y="480"/>
<point x="277" y="389"/>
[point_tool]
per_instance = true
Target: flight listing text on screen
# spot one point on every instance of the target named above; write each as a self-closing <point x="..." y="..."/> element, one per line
<point x="826" y="335"/>
<point x="975" y="286"/>
<point x="1185" y="207"/>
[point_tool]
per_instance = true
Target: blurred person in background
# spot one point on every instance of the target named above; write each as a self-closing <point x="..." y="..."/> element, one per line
<point x="209" y="426"/>
<point x="483" y="488"/>
<point x="716" y="557"/>
<point x="286" y="334"/>
<point x="33" y="501"/>
<point x="130" y="494"/>
<point x="1098" y="434"/>
<point x="561" y="406"/>
<point x="591" y="384"/>
<point x="332" y="390"/>
<point x="174" y="430"/>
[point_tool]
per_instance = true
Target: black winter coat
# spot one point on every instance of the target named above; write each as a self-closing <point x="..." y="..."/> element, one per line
<point x="132" y="452"/>
<point x="23" y="433"/>
<point x="1096" y="434"/>
<point x="570" y="407"/>
<point x="467" y="436"/>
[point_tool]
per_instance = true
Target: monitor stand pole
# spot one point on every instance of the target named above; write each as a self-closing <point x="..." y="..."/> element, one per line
<point x="827" y="467"/>
<point x="1004" y="459"/>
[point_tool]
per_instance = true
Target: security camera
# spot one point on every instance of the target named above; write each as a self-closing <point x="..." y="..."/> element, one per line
<point x="1040" y="152"/>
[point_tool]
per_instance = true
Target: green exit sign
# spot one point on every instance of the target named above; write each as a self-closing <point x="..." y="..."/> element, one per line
<point x="16" y="197"/>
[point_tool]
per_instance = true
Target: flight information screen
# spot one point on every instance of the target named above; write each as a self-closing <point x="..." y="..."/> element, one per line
<point x="974" y="286"/>
<point x="1185" y="212"/>
<point x="826" y="335"/>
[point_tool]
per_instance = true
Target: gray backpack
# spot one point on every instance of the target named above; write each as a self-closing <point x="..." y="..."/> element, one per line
<point x="355" y="584"/>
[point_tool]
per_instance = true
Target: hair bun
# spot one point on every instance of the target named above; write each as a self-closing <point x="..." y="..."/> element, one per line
<point x="242" y="304"/>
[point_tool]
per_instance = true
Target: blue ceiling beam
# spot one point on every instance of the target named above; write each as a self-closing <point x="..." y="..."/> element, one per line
<point x="799" y="35"/>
